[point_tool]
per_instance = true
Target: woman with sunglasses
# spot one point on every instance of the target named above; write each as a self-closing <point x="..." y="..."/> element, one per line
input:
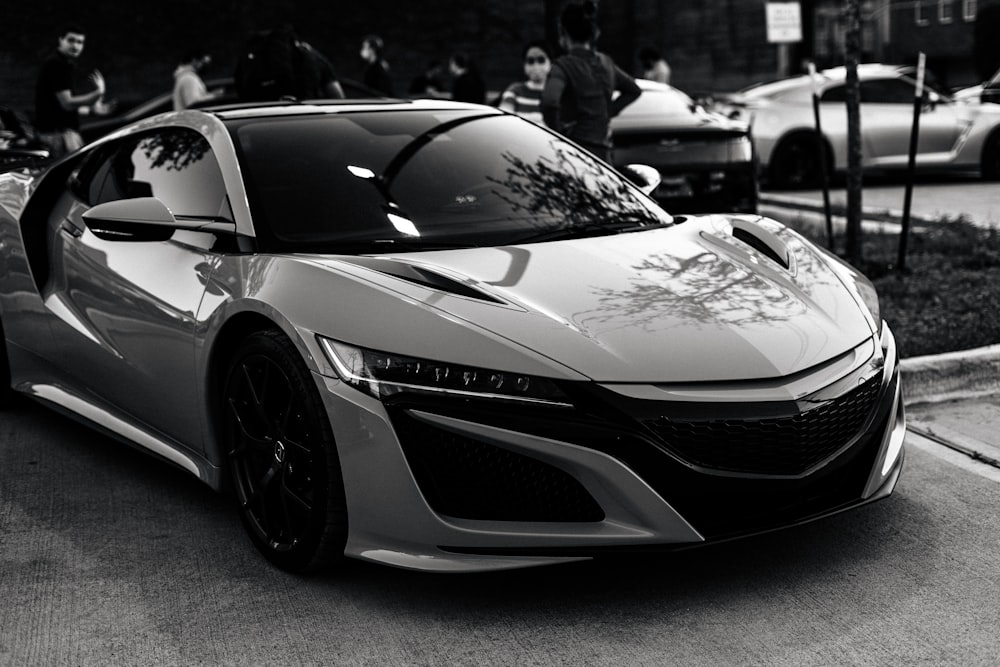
<point x="525" y="97"/>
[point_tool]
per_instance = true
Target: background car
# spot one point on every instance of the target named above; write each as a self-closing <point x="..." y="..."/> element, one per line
<point x="441" y="337"/>
<point x="19" y="145"/>
<point x="706" y="161"/>
<point x="953" y="136"/>
<point x="95" y="126"/>
<point x="988" y="91"/>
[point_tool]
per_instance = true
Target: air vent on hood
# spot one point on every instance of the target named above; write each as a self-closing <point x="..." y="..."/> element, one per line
<point x="424" y="277"/>
<point x="762" y="246"/>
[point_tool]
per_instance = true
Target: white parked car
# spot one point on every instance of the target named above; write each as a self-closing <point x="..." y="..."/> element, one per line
<point x="438" y="336"/>
<point x="953" y="135"/>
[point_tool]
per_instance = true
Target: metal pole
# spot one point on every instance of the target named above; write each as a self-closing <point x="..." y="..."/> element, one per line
<point x="918" y="103"/>
<point x="821" y="152"/>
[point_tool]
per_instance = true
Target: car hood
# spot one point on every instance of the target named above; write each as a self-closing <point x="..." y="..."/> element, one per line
<point x="687" y="303"/>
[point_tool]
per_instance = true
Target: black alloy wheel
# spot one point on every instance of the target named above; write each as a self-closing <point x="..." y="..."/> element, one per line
<point x="991" y="157"/>
<point x="795" y="164"/>
<point x="282" y="456"/>
<point x="6" y="391"/>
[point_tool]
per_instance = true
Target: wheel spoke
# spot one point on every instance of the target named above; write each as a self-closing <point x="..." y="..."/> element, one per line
<point x="256" y="399"/>
<point x="305" y="505"/>
<point x="259" y="490"/>
<point x="249" y="438"/>
<point x="296" y="445"/>
<point x="288" y="412"/>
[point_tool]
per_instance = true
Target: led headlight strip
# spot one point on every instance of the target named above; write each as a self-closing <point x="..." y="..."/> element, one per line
<point x="383" y="374"/>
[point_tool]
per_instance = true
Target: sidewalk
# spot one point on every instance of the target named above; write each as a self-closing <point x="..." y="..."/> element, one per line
<point x="952" y="399"/>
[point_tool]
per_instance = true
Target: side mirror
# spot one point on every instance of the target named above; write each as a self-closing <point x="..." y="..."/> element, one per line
<point x="645" y="177"/>
<point x="139" y="219"/>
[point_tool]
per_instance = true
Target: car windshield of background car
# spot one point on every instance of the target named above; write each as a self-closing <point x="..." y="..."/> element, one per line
<point x="347" y="182"/>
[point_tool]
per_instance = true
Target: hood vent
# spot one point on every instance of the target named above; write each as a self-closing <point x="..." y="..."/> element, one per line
<point x="775" y="250"/>
<point x="423" y="277"/>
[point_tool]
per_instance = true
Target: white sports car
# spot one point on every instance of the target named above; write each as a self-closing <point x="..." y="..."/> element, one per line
<point x="440" y="337"/>
<point x="953" y="135"/>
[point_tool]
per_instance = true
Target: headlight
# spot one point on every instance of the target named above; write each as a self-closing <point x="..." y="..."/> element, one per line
<point x="870" y="298"/>
<point x="860" y="286"/>
<point x="383" y="374"/>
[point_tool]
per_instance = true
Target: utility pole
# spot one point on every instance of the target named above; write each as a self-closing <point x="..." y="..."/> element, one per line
<point x="852" y="56"/>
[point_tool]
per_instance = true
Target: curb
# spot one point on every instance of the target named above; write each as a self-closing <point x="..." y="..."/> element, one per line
<point x="952" y="375"/>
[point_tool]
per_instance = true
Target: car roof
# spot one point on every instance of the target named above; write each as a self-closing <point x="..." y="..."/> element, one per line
<point x="288" y="108"/>
<point x="828" y="76"/>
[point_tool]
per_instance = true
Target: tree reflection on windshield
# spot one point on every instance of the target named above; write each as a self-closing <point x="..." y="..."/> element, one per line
<point x="571" y="188"/>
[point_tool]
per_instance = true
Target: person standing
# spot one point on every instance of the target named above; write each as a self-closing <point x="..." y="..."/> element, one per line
<point x="654" y="66"/>
<point x="525" y="97"/>
<point x="376" y="74"/>
<point x="578" y="99"/>
<point x="57" y="115"/>
<point x="468" y="85"/>
<point x="189" y="88"/>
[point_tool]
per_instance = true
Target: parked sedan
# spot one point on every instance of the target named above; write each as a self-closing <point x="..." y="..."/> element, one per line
<point x="952" y="135"/>
<point x="988" y="91"/>
<point x="706" y="161"/>
<point x="438" y="336"/>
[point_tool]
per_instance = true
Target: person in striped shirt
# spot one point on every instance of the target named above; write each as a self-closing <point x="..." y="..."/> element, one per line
<point x="525" y="97"/>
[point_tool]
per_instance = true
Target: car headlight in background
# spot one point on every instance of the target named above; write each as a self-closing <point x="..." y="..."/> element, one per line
<point x="383" y="374"/>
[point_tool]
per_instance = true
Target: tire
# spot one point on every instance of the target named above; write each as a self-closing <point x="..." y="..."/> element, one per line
<point x="991" y="157"/>
<point x="282" y="457"/>
<point x="795" y="164"/>
<point x="6" y="391"/>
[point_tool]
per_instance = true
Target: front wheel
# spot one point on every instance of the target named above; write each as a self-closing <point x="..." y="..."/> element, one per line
<point x="796" y="164"/>
<point x="991" y="157"/>
<point x="282" y="457"/>
<point x="6" y="391"/>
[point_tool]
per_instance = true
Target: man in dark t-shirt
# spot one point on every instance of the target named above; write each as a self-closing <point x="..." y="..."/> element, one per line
<point x="56" y="107"/>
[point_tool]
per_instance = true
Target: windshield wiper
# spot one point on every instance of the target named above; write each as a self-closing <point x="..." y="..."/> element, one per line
<point x="593" y="229"/>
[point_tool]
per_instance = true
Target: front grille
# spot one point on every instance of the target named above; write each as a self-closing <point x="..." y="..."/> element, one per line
<point x="469" y="479"/>
<point x="780" y="446"/>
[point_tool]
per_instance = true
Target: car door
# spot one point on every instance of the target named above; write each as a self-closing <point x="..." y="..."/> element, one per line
<point x="887" y="121"/>
<point x="124" y="309"/>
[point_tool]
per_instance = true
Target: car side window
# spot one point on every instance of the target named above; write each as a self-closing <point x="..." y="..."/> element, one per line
<point x="835" y="94"/>
<point x="887" y="91"/>
<point x="178" y="167"/>
<point x="88" y="180"/>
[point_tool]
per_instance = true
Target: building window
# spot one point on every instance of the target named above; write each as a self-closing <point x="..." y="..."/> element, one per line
<point x="969" y="9"/>
<point x="920" y="13"/>
<point x="946" y="11"/>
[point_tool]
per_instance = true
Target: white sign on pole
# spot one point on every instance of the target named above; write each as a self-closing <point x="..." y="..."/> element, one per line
<point x="784" y="22"/>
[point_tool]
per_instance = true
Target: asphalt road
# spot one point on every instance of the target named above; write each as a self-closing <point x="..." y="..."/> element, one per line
<point x="110" y="557"/>
<point x="934" y="197"/>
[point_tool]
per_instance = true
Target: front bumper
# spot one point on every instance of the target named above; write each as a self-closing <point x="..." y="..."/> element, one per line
<point x="467" y="487"/>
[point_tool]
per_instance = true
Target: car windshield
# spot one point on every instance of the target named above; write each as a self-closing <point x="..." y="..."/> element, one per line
<point x="383" y="180"/>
